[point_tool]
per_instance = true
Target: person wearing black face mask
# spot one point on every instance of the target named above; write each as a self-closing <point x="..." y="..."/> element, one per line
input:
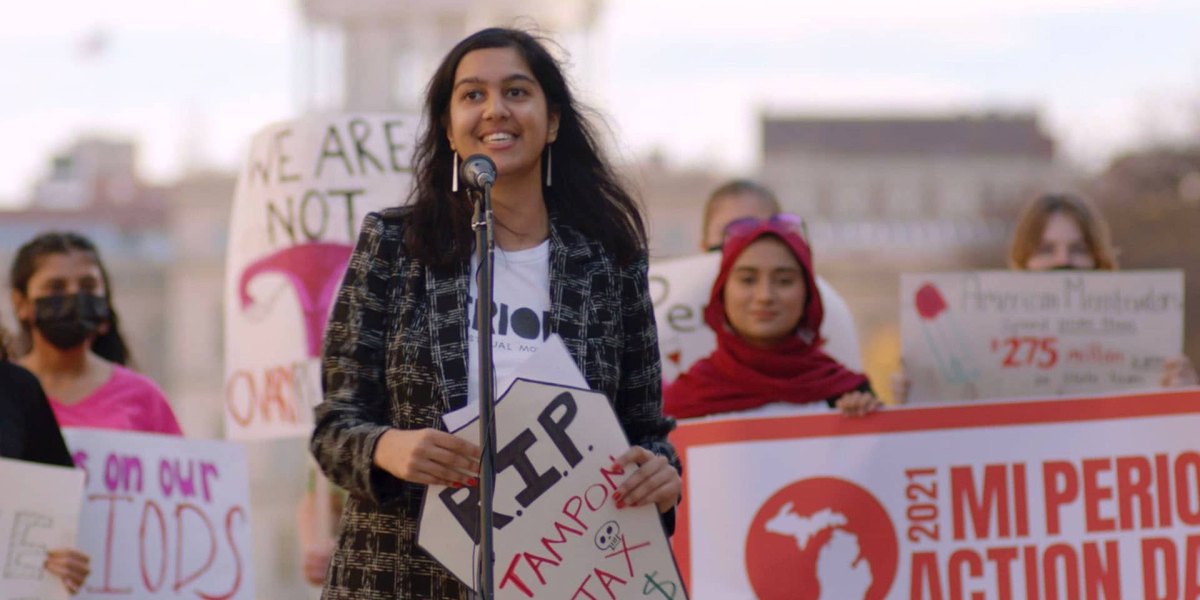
<point x="67" y="321"/>
<point x="29" y="432"/>
<point x="62" y="296"/>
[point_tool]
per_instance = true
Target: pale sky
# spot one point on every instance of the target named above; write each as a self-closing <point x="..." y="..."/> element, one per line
<point x="689" y="78"/>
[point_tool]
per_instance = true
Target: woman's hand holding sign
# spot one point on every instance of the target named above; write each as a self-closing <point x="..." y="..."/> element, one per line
<point x="70" y="565"/>
<point x="1179" y="372"/>
<point x="428" y="456"/>
<point x="655" y="481"/>
<point x="858" y="404"/>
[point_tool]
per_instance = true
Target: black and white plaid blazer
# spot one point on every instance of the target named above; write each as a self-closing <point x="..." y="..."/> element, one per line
<point x="395" y="356"/>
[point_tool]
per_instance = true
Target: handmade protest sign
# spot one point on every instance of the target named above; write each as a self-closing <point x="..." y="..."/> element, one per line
<point x="1003" y="334"/>
<point x="1055" y="500"/>
<point x="163" y="517"/>
<point x="39" y="512"/>
<point x="299" y="203"/>
<point x="680" y="289"/>
<point x="558" y="531"/>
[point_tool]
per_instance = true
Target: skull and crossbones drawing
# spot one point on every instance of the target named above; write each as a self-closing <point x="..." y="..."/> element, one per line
<point x="608" y="536"/>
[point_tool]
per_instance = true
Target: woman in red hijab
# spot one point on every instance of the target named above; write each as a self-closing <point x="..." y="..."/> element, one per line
<point x="766" y="312"/>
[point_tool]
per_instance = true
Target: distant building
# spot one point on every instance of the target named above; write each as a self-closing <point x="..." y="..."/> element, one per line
<point x="388" y="50"/>
<point x="923" y="184"/>
<point x="674" y="204"/>
<point x="906" y="168"/>
<point x="92" y="170"/>
<point x="198" y="225"/>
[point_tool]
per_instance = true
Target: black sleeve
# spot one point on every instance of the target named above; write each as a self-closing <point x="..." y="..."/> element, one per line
<point x="352" y="415"/>
<point x="43" y="439"/>
<point x="865" y="387"/>
<point x="639" y="396"/>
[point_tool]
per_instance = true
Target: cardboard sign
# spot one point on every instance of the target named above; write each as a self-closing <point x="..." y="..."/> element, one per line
<point x="680" y="289"/>
<point x="163" y="517"/>
<point x="558" y="532"/>
<point x="39" y="512"/>
<point x="1053" y="500"/>
<point x="1003" y="334"/>
<point x="299" y="204"/>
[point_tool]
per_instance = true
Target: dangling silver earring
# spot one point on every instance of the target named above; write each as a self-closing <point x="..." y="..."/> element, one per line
<point x="549" y="162"/>
<point x="454" y="173"/>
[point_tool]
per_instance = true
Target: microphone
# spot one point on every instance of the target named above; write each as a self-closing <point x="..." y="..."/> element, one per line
<point x="478" y="171"/>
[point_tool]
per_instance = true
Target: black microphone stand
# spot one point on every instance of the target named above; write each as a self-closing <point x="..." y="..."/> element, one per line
<point x="483" y="224"/>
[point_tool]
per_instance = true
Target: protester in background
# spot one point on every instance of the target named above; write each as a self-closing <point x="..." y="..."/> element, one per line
<point x="29" y="432"/>
<point x="737" y="199"/>
<point x="1065" y="231"/>
<point x="1061" y="231"/>
<point x="571" y="244"/>
<point x="767" y="313"/>
<point x="742" y="199"/>
<point x="63" y="299"/>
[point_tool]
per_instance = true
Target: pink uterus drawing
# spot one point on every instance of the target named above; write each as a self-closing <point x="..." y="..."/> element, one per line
<point x="315" y="270"/>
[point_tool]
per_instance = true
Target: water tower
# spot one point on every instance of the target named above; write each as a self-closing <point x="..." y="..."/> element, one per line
<point x="376" y="55"/>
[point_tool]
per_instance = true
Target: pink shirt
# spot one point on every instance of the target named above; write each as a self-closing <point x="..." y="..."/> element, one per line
<point x="128" y="401"/>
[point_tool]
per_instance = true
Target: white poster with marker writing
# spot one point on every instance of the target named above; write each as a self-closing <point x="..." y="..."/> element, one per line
<point x="39" y="512"/>
<point x="300" y="200"/>
<point x="680" y="289"/>
<point x="163" y="517"/>
<point x="558" y="530"/>
<point x="1004" y="334"/>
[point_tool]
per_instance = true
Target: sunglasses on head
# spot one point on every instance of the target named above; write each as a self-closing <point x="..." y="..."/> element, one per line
<point x="741" y="227"/>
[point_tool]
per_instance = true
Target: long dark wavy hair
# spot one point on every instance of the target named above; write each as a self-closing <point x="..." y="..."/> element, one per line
<point x="587" y="194"/>
<point x="110" y="346"/>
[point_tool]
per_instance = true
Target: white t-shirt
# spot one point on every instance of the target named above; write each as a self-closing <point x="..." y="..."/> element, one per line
<point x="522" y="299"/>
